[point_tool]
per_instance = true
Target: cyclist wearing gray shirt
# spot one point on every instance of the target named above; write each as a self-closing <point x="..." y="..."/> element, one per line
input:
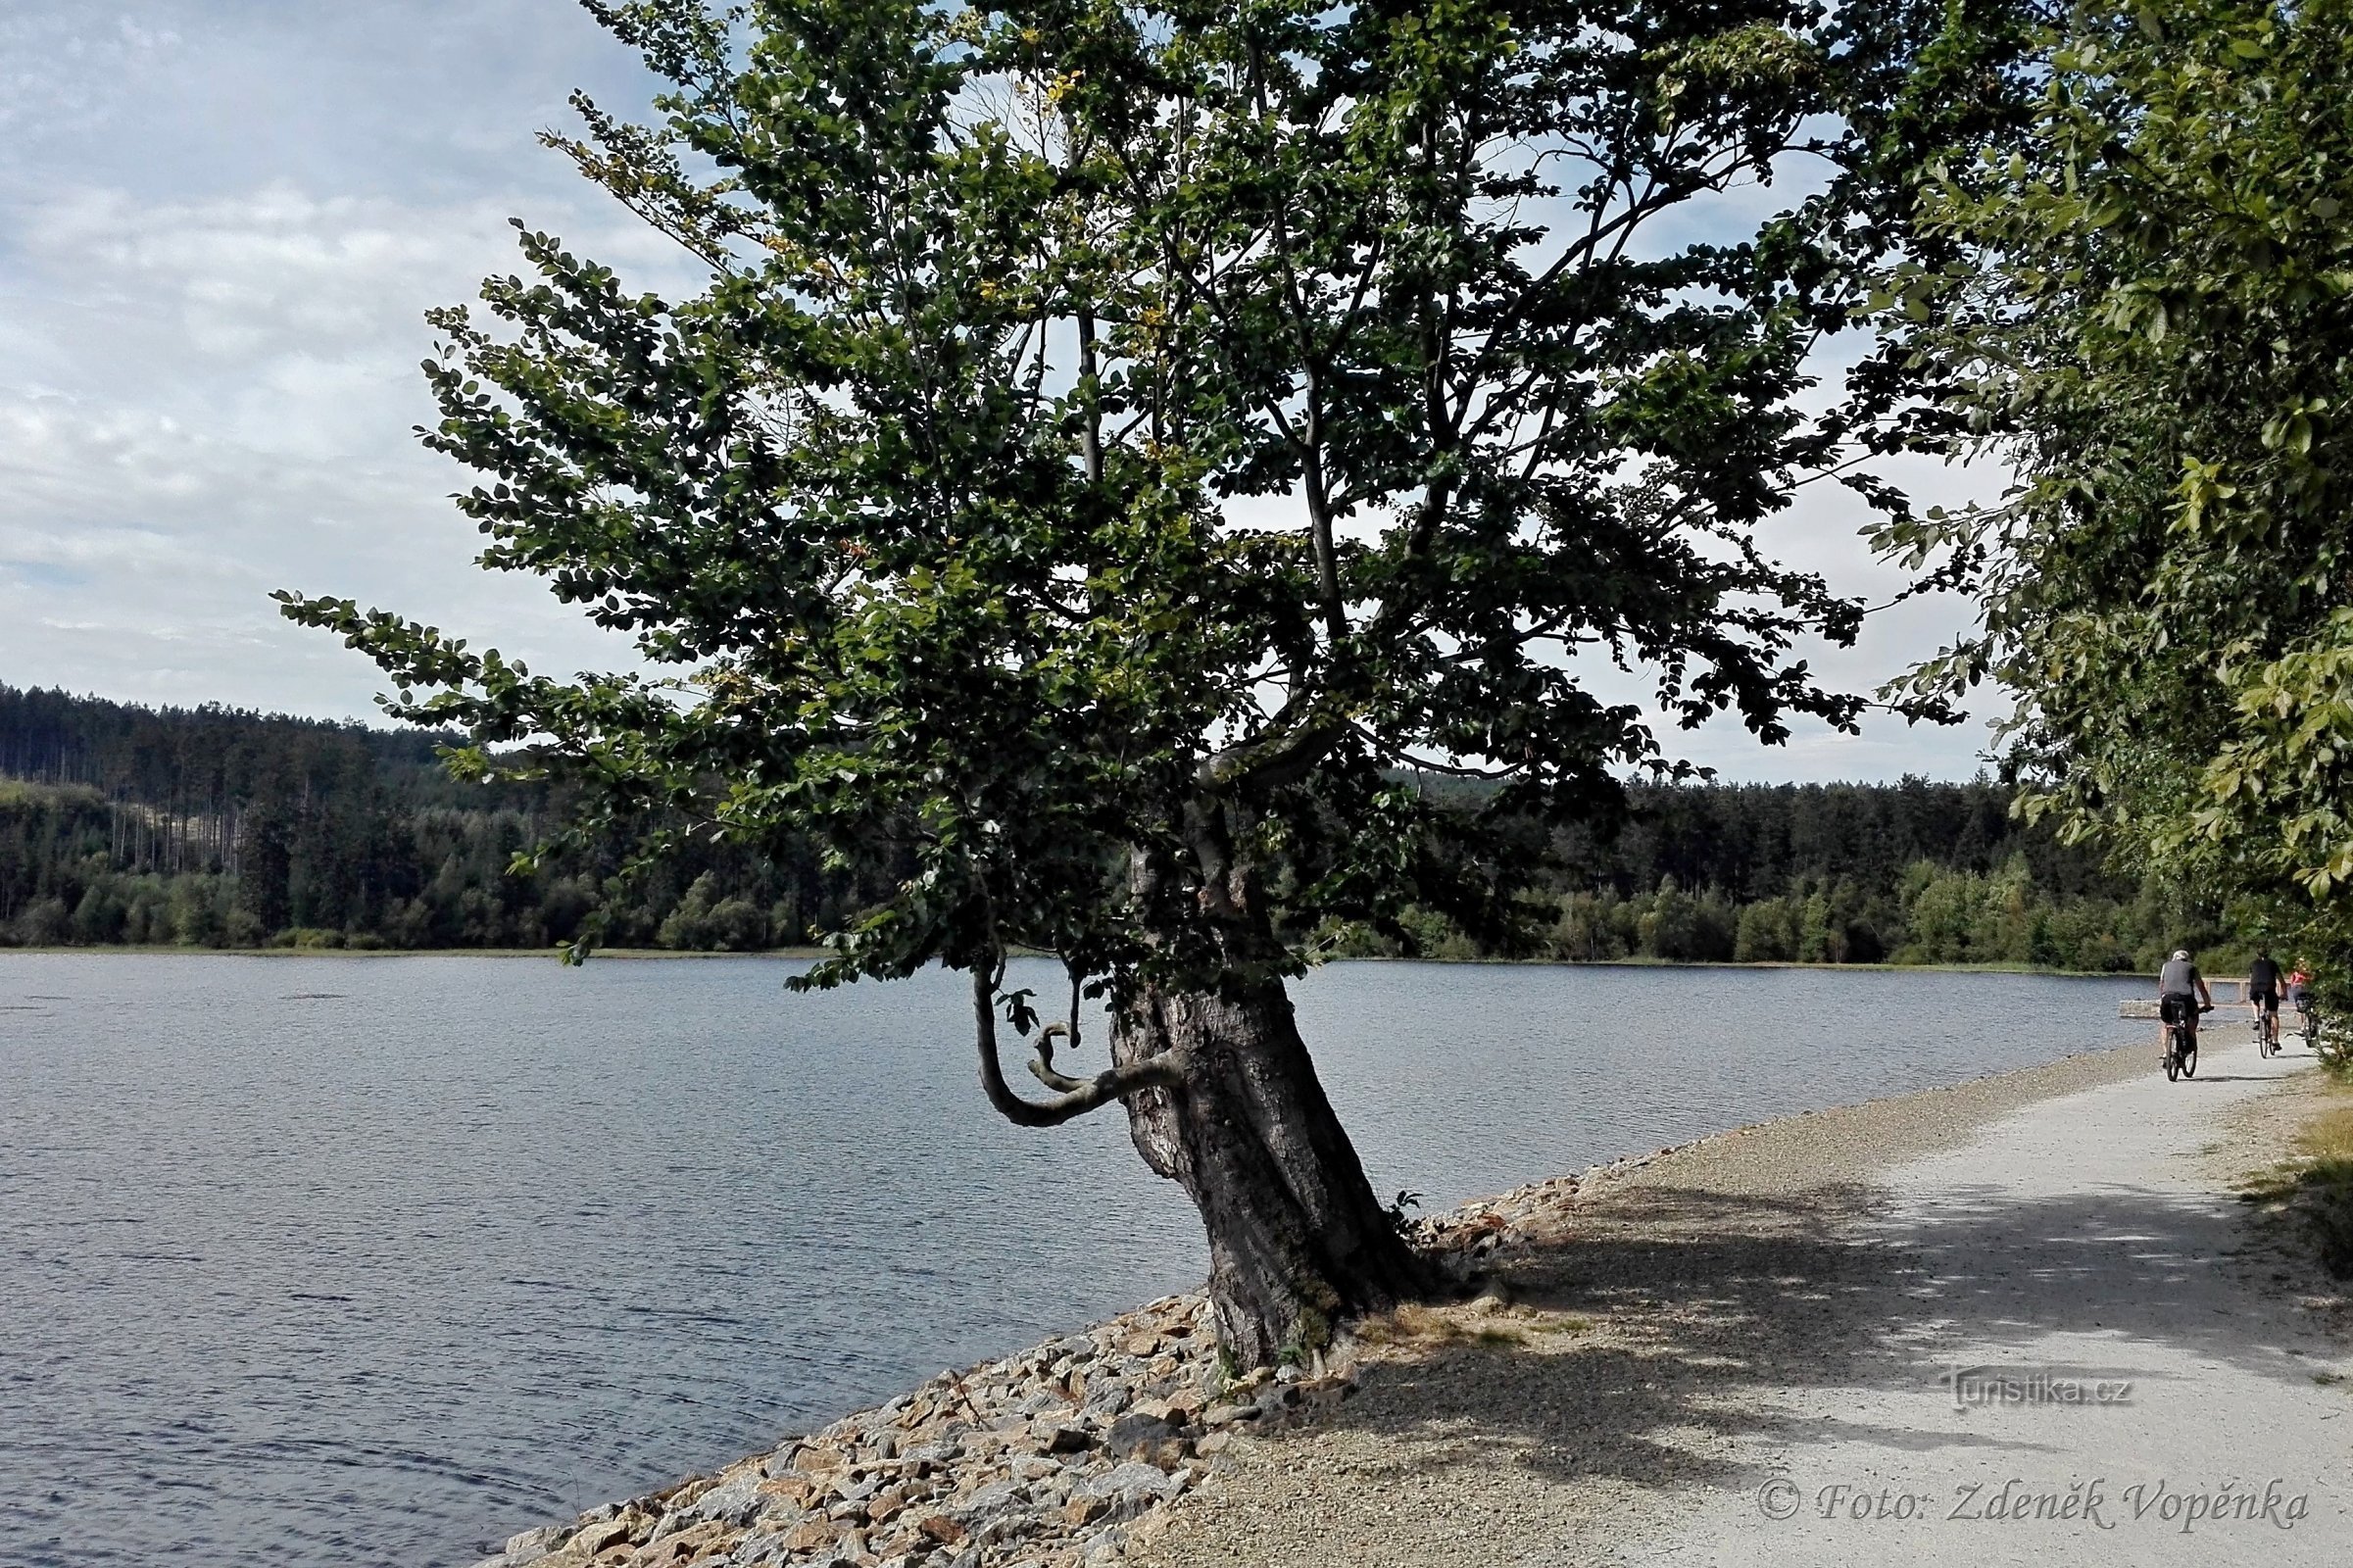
<point x="2181" y="994"/>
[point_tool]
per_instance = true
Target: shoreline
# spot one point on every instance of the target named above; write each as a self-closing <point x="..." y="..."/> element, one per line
<point x="799" y="954"/>
<point x="1069" y="1452"/>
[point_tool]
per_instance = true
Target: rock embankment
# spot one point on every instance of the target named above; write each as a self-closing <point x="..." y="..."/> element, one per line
<point x="1044" y="1458"/>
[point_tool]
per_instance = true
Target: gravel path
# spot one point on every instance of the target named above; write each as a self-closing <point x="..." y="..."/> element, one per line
<point x="1722" y="1355"/>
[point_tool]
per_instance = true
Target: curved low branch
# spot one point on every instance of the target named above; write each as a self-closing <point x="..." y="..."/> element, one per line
<point x="1041" y="1066"/>
<point x="1281" y="756"/>
<point x="1162" y="1071"/>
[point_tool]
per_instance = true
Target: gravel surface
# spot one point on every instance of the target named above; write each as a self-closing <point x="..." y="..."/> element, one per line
<point x="1659" y="1343"/>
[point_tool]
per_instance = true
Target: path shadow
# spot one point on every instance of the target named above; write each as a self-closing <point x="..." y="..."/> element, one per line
<point x="1694" y="1303"/>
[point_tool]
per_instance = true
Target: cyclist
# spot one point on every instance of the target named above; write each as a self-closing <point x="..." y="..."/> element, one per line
<point x="2181" y="994"/>
<point x="2299" y="996"/>
<point x="2263" y="992"/>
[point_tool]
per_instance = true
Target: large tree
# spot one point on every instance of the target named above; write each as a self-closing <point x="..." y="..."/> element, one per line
<point x="1120" y="448"/>
<point x="2148" y="312"/>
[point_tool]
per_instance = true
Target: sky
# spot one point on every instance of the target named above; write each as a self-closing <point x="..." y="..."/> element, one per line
<point x="220" y="222"/>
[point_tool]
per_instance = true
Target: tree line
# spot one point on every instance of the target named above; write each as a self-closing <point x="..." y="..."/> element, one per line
<point x="217" y="828"/>
<point x="1915" y="872"/>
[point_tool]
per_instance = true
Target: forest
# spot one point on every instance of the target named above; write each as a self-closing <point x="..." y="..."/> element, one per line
<point x="217" y="828"/>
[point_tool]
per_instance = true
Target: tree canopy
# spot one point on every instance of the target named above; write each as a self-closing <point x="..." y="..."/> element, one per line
<point x="2150" y="314"/>
<point x="1122" y="447"/>
<point x="1120" y="431"/>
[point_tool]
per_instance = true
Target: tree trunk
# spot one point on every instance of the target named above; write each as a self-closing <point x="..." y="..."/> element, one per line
<point x="1297" y="1240"/>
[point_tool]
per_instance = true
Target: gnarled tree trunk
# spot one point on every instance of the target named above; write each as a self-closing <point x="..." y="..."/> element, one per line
<point x="1297" y="1240"/>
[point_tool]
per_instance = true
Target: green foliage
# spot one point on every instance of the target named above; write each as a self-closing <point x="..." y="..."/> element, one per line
<point x="1114" y="441"/>
<point x="2150" y="314"/>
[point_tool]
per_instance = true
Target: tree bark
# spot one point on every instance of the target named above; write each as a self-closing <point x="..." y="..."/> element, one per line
<point x="1297" y="1240"/>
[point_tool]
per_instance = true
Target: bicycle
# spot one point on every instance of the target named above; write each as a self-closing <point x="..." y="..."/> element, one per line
<point x="2181" y="1042"/>
<point x="2267" y="1031"/>
<point x="2308" y="1023"/>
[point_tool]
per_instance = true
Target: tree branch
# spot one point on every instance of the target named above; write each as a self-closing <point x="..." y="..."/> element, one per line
<point x="1280" y="755"/>
<point x="1163" y="1071"/>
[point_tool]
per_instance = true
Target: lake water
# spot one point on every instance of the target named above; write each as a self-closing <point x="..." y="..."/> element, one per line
<point x="355" y="1261"/>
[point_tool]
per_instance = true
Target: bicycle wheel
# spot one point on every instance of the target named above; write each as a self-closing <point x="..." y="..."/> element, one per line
<point x="2189" y="1060"/>
<point x="2172" y="1060"/>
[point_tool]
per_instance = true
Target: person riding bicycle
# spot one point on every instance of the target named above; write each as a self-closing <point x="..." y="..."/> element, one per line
<point x="2300" y="993"/>
<point x="2181" y="994"/>
<point x="2262" y="990"/>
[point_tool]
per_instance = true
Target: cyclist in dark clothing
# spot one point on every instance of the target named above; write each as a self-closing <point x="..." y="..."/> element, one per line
<point x="2181" y="994"/>
<point x="2263" y="988"/>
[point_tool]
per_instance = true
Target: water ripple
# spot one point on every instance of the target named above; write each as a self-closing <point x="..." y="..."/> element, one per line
<point x="503" y="1239"/>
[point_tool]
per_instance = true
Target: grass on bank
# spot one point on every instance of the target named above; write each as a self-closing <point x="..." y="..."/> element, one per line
<point x="2315" y="1185"/>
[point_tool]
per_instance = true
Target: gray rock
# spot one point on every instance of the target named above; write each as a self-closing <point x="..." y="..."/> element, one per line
<point x="1132" y="1488"/>
<point x="761" y="1548"/>
<point x="1135" y="1434"/>
<point x="529" y="1545"/>
<point x="732" y="1501"/>
<point x="1065" y="1439"/>
<point x="990" y="1500"/>
<point x="1018" y="1525"/>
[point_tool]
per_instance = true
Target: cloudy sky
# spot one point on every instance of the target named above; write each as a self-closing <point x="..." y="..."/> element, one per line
<point x="220" y="222"/>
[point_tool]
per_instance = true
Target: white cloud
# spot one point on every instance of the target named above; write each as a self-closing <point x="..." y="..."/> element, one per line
<point x="216" y="401"/>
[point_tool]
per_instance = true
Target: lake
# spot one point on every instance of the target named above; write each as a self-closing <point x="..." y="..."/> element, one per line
<point x="374" y="1261"/>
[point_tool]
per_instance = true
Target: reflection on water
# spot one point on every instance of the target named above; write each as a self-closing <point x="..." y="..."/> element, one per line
<point x="374" y="1261"/>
